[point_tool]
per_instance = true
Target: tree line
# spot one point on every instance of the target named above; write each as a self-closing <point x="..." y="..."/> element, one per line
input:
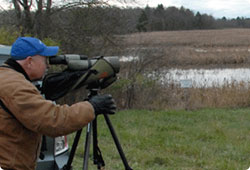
<point x="88" y="27"/>
<point x="172" y="18"/>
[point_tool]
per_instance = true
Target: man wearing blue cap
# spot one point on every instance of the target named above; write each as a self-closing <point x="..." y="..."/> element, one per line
<point x="25" y="115"/>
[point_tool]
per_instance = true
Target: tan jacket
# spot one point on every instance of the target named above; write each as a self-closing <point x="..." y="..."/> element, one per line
<point x="20" y="133"/>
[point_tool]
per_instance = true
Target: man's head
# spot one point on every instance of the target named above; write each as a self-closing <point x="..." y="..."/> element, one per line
<point x="31" y="54"/>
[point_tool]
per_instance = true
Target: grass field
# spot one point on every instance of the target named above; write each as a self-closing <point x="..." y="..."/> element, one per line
<point x="207" y="139"/>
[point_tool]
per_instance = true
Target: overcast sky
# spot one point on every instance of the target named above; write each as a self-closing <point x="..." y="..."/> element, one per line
<point x="216" y="8"/>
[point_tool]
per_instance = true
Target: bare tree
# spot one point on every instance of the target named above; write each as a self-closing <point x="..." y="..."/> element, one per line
<point x="33" y="16"/>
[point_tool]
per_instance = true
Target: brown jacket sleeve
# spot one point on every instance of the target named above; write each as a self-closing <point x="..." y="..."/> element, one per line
<point x="39" y="115"/>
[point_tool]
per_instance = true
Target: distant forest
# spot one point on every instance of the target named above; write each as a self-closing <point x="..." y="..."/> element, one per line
<point x="128" y="20"/>
<point x="79" y="25"/>
<point x="172" y="18"/>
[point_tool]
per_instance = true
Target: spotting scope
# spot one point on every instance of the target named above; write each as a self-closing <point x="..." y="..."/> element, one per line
<point x="97" y="72"/>
<point x="82" y="62"/>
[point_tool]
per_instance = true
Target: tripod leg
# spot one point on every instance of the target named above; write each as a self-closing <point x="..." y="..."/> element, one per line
<point x="87" y="146"/>
<point x="98" y="159"/>
<point x="73" y="150"/>
<point x="118" y="146"/>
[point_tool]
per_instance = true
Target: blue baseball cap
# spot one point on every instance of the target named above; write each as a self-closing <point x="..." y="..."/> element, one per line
<point x="29" y="46"/>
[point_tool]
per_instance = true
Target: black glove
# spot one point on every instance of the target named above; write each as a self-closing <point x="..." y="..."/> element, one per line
<point x="103" y="104"/>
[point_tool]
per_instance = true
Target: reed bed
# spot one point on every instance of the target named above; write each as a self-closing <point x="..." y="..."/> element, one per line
<point x="172" y="96"/>
<point x="197" y="48"/>
<point x="234" y="95"/>
<point x="197" y="38"/>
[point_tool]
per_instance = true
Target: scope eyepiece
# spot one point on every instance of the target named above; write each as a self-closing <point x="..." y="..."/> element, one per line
<point x="64" y="59"/>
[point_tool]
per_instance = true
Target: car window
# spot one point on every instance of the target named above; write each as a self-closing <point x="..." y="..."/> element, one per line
<point x="4" y="53"/>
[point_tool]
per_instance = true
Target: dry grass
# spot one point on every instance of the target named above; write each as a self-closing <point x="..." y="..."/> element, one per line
<point x="173" y="97"/>
<point x="199" y="48"/>
<point x="196" y="38"/>
<point x="235" y="95"/>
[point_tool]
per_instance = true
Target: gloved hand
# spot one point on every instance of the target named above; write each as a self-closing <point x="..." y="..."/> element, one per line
<point x="103" y="104"/>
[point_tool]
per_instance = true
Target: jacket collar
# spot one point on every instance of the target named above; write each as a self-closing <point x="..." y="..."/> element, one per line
<point x="16" y="66"/>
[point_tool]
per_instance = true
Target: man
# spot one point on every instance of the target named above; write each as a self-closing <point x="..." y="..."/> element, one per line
<point x="25" y="115"/>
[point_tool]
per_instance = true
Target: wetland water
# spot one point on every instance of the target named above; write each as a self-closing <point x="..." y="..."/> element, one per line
<point x="200" y="77"/>
<point x="206" y="77"/>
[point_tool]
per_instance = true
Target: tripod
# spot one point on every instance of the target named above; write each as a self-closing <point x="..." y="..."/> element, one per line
<point x="98" y="159"/>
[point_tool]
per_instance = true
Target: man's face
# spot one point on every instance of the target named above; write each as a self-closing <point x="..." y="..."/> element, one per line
<point x="38" y="67"/>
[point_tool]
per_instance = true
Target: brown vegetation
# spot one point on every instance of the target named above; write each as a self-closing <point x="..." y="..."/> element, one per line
<point x="156" y="97"/>
<point x="198" y="48"/>
<point x="234" y="95"/>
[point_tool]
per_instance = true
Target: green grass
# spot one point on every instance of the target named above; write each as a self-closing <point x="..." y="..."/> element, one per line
<point x="212" y="139"/>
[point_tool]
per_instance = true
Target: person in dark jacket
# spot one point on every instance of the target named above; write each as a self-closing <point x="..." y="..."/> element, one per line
<point x="25" y="115"/>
